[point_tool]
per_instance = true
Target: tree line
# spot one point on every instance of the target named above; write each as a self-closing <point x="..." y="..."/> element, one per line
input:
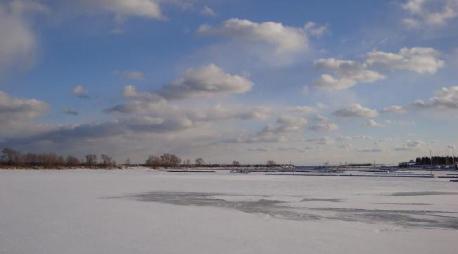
<point x="436" y="160"/>
<point x="11" y="158"/>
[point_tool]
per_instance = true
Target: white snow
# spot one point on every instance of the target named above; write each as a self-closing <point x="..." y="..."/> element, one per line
<point x="144" y="211"/>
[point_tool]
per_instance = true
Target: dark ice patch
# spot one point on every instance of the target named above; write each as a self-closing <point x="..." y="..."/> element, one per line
<point x="336" y="200"/>
<point x="421" y="193"/>
<point x="284" y="210"/>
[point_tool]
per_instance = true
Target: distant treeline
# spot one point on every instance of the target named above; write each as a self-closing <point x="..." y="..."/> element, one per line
<point x="436" y="160"/>
<point x="11" y="158"/>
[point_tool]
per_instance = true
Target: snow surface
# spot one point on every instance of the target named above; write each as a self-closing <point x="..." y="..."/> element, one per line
<point x="144" y="211"/>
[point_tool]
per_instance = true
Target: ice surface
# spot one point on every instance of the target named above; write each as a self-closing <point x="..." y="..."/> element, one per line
<point x="144" y="211"/>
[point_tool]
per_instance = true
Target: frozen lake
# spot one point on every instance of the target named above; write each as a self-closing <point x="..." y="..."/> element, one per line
<point x="143" y="211"/>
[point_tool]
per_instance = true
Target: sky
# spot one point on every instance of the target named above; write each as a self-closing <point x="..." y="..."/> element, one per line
<point x="306" y="82"/>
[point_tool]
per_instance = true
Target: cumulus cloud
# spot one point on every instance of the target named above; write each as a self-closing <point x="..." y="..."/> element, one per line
<point x="80" y="91"/>
<point x="394" y="109"/>
<point x="429" y="12"/>
<point x="282" y="38"/>
<point x="324" y="126"/>
<point x="17" y="40"/>
<point x="152" y="105"/>
<point x="139" y="102"/>
<point x="27" y="7"/>
<point x="126" y="8"/>
<point x="207" y="11"/>
<point x="206" y="81"/>
<point x="16" y="108"/>
<point x="138" y="125"/>
<point x="356" y="110"/>
<point x="321" y="123"/>
<point x="321" y="141"/>
<point x="229" y="112"/>
<point x="276" y="132"/>
<point x="419" y="60"/>
<point x="370" y="150"/>
<point x="305" y="110"/>
<point x="314" y="29"/>
<point x="410" y="145"/>
<point x="445" y="98"/>
<point x="346" y="74"/>
<point x="347" y="138"/>
<point x="374" y="124"/>
<point x="15" y="113"/>
<point x="287" y="124"/>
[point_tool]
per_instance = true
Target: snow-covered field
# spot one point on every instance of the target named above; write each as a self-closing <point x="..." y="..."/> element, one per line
<point x="142" y="211"/>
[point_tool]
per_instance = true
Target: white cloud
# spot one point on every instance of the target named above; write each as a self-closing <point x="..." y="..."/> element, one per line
<point x="321" y="123"/>
<point x="414" y="143"/>
<point x="302" y="110"/>
<point x="208" y="80"/>
<point x="446" y="98"/>
<point x="347" y="74"/>
<point x="207" y="11"/>
<point x="15" y="112"/>
<point x="278" y="132"/>
<point x="370" y="150"/>
<point x="13" y="108"/>
<point x="288" y="124"/>
<point x="283" y="39"/>
<point x="324" y="126"/>
<point x="80" y="91"/>
<point x="321" y="141"/>
<point x="374" y="124"/>
<point x="410" y="145"/>
<point x="22" y="7"/>
<point x="17" y="40"/>
<point x="314" y="29"/>
<point x="220" y="113"/>
<point x="429" y="12"/>
<point x="139" y="102"/>
<point x="394" y="109"/>
<point x="153" y="105"/>
<point x="419" y="60"/>
<point x="356" y="110"/>
<point x="129" y="91"/>
<point x="126" y="8"/>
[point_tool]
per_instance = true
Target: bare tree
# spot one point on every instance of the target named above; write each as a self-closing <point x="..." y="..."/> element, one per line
<point x="165" y="160"/>
<point x="91" y="160"/>
<point x="200" y="162"/>
<point x="187" y="162"/>
<point x="235" y="163"/>
<point x="153" y="161"/>
<point x="107" y="161"/>
<point x="72" y="161"/>
<point x="170" y="160"/>
<point x="11" y="156"/>
<point x="271" y="163"/>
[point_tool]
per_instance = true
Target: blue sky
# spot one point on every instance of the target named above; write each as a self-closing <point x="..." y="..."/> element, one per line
<point x="302" y="81"/>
